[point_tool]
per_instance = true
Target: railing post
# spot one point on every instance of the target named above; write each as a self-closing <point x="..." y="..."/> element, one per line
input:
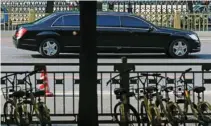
<point x="130" y="8"/>
<point x="177" y="21"/>
<point x="124" y="82"/>
<point x="31" y="16"/>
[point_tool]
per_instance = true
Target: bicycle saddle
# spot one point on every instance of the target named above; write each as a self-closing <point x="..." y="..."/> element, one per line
<point x="179" y="101"/>
<point x="150" y="89"/>
<point x="118" y="91"/>
<point x="17" y="94"/>
<point x="198" y="89"/>
<point x="39" y="93"/>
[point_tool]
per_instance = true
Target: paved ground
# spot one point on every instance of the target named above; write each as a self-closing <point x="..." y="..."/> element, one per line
<point x="9" y="54"/>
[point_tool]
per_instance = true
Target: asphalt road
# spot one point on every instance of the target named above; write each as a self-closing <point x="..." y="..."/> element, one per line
<point x="9" y="54"/>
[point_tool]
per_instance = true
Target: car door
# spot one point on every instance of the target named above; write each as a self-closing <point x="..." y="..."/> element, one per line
<point x="137" y="33"/>
<point x="67" y="26"/>
<point x="140" y="35"/>
<point x="109" y="33"/>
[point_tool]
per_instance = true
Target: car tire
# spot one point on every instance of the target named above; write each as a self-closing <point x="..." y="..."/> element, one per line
<point x="49" y="48"/>
<point x="178" y="49"/>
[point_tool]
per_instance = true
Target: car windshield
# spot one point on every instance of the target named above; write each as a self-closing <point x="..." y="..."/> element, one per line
<point x="43" y="19"/>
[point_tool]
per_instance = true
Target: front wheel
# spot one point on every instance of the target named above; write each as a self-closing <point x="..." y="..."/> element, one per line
<point x="9" y="109"/>
<point x="132" y="110"/>
<point x="178" y="49"/>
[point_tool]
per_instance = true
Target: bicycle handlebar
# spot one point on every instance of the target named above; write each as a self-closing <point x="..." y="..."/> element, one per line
<point x="154" y="74"/>
<point x="182" y="75"/>
<point x="188" y="70"/>
<point x="31" y="73"/>
<point x="128" y="70"/>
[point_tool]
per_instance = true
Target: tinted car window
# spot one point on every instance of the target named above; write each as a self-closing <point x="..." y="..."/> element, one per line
<point x="59" y="22"/>
<point x="43" y="19"/>
<point x="71" y="20"/>
<point x="133" y="22"/>
<point x="108" y="21"/>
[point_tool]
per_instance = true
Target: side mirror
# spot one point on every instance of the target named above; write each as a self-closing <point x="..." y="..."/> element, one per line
<point x="151" y="28"/>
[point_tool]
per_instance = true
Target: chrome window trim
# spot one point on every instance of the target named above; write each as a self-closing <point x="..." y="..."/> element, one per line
<point x="102" y="26"/>
<point x="59" y="18"/>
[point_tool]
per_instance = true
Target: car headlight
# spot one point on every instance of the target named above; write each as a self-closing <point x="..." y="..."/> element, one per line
<point x="194" y="37"/>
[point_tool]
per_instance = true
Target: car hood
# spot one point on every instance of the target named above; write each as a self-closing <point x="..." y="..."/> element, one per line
<point x="175" y="31"/>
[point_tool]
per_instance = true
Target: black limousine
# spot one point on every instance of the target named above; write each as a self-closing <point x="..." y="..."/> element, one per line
<point x="117" y="32"/>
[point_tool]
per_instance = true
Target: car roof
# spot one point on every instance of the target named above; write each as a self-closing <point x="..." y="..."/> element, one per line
<point x="99" y="12"/>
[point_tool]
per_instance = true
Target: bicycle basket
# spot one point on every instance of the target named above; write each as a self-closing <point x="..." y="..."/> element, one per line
<point x="7" y="91"/>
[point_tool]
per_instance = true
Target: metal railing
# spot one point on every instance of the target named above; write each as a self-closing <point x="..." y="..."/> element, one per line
<point x="138" y="5"/>
<point x="64" y="84"/>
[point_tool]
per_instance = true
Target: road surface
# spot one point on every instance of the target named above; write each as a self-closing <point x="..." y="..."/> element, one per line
<point x="9" y="54"/>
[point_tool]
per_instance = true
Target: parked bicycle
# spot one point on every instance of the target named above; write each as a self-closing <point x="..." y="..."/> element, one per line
<point x="38" y="107"/>
<point x="28" y="98"/>
<point x="128" y="114"/>
<point x="198" y="109"/>
<point x="153" y="112"/>
<point x="18" y="112"/>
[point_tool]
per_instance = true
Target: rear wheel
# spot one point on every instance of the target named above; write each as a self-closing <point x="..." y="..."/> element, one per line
<point x="49" y="48"/>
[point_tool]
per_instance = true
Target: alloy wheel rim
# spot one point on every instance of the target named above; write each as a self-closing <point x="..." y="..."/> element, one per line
<point x="180" y="48"/>
<point x="50" y="48"/>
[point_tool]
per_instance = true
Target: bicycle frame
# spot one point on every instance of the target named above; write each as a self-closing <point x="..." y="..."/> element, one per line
<point x="188" y="101"/>
<point x="148" y="102"/>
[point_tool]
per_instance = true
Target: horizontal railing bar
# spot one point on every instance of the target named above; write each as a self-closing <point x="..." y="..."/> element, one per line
<point x="106" y="72"/>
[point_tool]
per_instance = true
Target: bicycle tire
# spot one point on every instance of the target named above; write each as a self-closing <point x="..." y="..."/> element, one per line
<point x="144" y="118"/>
<point x="19" y="121"/>
<point x="44" y="115"/>
<point x="171" y="109"/>
<point x="8" y="121"/>
<point x="130" y="107"/>
<point x="155" y="121"/>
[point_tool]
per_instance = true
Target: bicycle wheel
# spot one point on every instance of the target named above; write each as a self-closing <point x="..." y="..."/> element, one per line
<point x="153" y="118"/>
<point x="144" y="115"/>
<point x="9" y="115"/>
<point x="175" y="114"/>
<point x="131" y="108"/>
<point x="204" y="108"/>
<point x="20" y="117"/>
<point x="44" y="115"/>
<point x="156" y="117"/>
